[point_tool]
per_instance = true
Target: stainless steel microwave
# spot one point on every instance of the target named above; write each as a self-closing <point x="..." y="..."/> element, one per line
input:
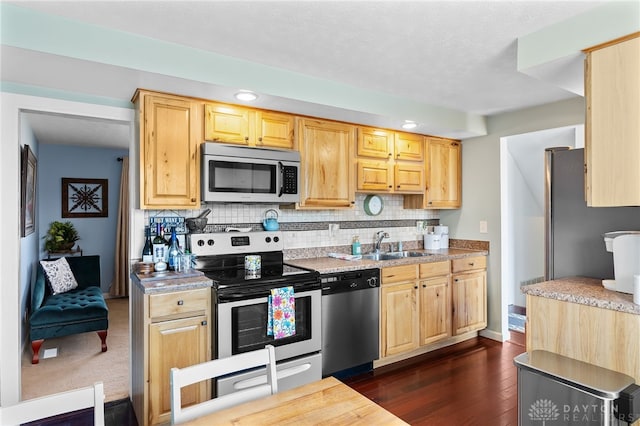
<point x="234" y="173"/>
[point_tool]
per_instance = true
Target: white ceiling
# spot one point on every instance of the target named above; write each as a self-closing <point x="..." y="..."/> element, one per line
<point x="454" y="54"/>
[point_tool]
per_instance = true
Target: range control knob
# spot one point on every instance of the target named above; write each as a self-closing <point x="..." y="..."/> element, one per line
<point x="276" y="239"/>
<point x="210" y="242"/>
<point x="200" y="243"/>
<point x="268" y="239"/>
<point x="373" y="281"/>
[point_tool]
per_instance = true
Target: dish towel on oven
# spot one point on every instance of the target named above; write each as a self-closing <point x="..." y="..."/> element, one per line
<point x="281" y="321"/>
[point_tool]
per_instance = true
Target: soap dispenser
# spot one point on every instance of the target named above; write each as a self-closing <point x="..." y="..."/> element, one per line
<point x="355" y="246"/>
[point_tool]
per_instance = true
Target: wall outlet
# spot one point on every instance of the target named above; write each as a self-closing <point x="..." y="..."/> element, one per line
<point x="483" y="227"/>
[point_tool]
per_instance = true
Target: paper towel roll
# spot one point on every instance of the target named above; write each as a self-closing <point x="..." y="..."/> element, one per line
<point x="636" y="289"/>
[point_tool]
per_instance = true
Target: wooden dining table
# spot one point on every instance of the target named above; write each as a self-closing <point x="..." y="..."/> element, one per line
<point x="327" y="402"/>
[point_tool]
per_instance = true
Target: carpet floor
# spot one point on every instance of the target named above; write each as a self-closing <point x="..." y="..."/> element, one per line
<point x="80" y="362"/>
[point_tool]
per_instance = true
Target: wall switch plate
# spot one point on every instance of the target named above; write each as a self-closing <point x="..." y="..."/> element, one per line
<point x="483" y="227"/>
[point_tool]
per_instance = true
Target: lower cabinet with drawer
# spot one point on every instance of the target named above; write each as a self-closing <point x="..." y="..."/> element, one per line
<point x="422" y="308"/>
<point x="469" y="278"/>
<point x="169" y="329"/>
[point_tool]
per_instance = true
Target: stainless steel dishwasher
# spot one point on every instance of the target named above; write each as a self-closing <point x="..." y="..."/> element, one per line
<point x="350" y="326"/>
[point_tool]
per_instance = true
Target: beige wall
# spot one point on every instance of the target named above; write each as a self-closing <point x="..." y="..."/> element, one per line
<point x="481" y="186"/>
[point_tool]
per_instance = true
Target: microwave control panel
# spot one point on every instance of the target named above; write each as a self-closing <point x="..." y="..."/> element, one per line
<point x="289" y="180"/>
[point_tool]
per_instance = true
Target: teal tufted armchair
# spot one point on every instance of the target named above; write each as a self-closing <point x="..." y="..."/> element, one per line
<point x="80" y="310"/>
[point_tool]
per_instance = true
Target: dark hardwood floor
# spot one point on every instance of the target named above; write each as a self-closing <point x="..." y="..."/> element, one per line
<point x="471" y="383"/>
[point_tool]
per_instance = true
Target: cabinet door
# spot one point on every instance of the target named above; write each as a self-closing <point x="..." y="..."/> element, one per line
<point x="435" y="310"/>
<point x="274" y="129"/>
<point x="374" y="176"/>
<point x="169" y="153"/>
<point x="444" y="171"/>
<point x="399" y="318"/>
<point x="326" y="151"/>
<point x="469" y="302"/>
<point x="408" y="177"/>
<point x="409" y="147"/>
<point x="226" y="123"/>
<point x="375" y="143"/>
<point x="177" y="343"/>
<point x="612" y="143"/>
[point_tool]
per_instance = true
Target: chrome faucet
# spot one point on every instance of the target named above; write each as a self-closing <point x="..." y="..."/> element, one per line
<point x="380" y="235"/>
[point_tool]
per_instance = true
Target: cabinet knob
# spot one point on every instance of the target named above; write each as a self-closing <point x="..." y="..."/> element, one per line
<point x="353" y="202"/>
<point x="424" y="286"/>
<point x="180" y="302"/>
<point x="246" y="138"/>
<point x="416" y="287"/>
<point x="390" y="154"/>
<point x="456" y="280"/>
<point x="430" y="202"/>
<point x="471" y="263"/>
<point x="203" y="322"/>
<point x="193" y="200"/>
<point x="390" y="186"/>
<point x="398" y="186"/>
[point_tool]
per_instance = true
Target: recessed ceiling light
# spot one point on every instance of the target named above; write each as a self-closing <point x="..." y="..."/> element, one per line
<point x="246" y="95"/>
<point x="408" y="124"/>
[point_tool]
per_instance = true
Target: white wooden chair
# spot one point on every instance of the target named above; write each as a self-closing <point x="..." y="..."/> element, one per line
<point x="181" y="377"/>
<point x="53" y="405"/>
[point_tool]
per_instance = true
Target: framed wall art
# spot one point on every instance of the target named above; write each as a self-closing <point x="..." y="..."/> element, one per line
<point x="85" y="197"/>
<point x="28" y="174"/>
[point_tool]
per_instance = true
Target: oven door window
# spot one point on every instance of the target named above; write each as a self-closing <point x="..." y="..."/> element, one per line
<point x="249" y="326"/>
<point x="231" y="176"/>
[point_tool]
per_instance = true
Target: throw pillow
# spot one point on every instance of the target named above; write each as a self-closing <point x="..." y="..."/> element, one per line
<point x="60" y="275"/>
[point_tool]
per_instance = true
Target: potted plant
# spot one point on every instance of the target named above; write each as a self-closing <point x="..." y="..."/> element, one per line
<point x="61" y="236"/>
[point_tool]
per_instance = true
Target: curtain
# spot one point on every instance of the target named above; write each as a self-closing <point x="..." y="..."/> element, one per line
<point x="120" y="286"/>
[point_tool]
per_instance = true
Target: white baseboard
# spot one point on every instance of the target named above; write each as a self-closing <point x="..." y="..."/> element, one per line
<point x="493" y="335"/>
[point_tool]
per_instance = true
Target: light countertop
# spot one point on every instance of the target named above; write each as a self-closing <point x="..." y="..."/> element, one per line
<point x="168" y="281"/>
<point x="584" y="291"/>
<point x="326" y="265"/>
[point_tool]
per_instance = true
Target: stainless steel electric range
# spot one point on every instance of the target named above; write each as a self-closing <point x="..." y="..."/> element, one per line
<point x="240" y="300"/>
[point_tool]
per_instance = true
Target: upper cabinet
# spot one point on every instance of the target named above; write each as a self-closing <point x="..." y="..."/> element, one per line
<point x="443" y="188"/>
<point x="389" y="161"/>
<point x="170" y="136"/>
<point x="326" y="153"/>
<point x="612" y="145"/>
<point x="235" y="124"/>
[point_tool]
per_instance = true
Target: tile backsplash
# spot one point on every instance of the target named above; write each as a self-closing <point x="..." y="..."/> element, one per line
<point x="311" y="228"/>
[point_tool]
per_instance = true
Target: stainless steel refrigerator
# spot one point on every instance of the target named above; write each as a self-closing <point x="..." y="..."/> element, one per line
<point x="574" y="245"/>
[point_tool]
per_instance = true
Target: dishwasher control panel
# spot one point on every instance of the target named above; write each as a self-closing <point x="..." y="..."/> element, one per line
<point x="340" y="282"/>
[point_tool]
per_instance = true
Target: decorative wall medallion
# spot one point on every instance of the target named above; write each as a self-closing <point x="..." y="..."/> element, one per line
<point x="85" y="197"/>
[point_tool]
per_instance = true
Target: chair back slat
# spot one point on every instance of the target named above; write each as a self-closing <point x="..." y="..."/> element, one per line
<point x="56" y="404"/>
<point x="181" y="377"/>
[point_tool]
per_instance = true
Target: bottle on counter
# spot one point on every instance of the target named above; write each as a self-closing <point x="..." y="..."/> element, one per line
<point x="174" y="251"/>
<point x="159" y="246"/>
<point x="147" y="250"/>
<point x="355" y="246"/>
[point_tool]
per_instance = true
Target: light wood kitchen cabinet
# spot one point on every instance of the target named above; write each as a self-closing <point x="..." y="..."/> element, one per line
<point x="389" y="161"/>
<point x="170" y="137"/>
<point x="435" y="302"/>
<point x="169" y="329"/>
<point x="408" y="147"/>
<point x="469" y="294"/>
<point x="326" y="157"/>
<point x="443" y="188"/>
<point x="399" y="310"/>
<point x="234" y="124"/>
<point x="612" y="129"/>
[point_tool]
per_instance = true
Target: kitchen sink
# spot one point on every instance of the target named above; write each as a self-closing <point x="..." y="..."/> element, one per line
<point x="394" y="255"/>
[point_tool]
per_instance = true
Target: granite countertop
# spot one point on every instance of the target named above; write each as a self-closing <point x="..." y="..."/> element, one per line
<point x="585" y="291"/>
<point x="168" y="281"/>
<point x="326" y="265"/>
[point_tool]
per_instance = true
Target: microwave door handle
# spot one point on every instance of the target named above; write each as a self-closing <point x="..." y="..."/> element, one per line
<point x="281" y="167"/>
